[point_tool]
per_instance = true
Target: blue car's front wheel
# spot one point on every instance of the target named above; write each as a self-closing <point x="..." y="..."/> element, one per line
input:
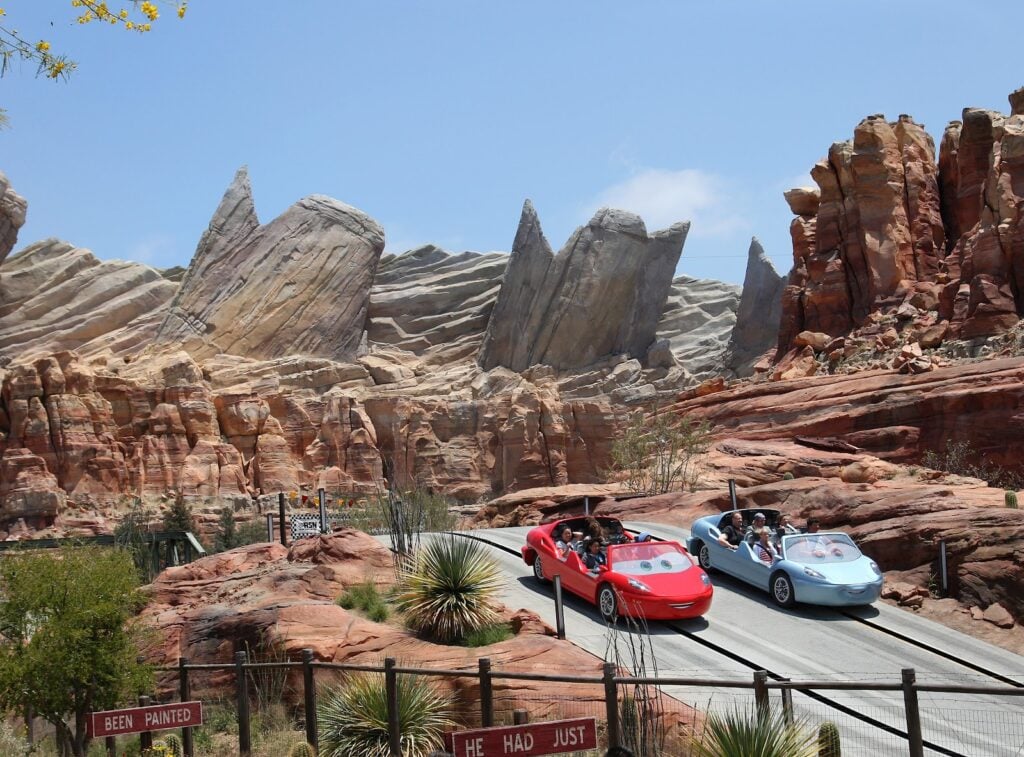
<point x="781" y="588"/>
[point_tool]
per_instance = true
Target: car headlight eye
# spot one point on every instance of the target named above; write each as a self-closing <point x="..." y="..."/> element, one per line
<point x="639" y="585"/>
<point x="874" y="567"/>
<point x="813" y="573"/>
<point x="704" y="578"/>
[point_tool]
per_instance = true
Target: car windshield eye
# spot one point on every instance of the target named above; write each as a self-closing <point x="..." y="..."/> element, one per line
<point x="646" y="564"/>
<point x="666" y="564"/>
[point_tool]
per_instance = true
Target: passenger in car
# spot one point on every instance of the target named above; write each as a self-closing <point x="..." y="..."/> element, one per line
<point x="785" y="527"/>
<point x="820" y="542"/>
<point x="764" y="550"/>
<point x="732" y="535"/>
<point x="565" y="544"/>
<point x="594" y="557"/>
<point x="754" y="529"/>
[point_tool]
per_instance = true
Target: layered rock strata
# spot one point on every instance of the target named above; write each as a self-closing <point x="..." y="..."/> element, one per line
<point x="890" y="229"/>
<point x="603" y="294"/>
<point x="59" y="297"/>
<point x="300" y="284"/>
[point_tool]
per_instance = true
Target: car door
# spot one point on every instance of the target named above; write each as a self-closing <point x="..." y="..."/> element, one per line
<point x="749" y="568"/>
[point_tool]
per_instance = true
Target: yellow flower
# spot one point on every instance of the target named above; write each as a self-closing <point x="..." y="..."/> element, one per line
<point x="181" y="10"/>
<point x="42" y="46"/>
<point x="150" y="11"/>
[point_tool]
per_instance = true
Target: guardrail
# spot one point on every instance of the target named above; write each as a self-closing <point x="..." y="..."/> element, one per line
<point x="611" y="681"/>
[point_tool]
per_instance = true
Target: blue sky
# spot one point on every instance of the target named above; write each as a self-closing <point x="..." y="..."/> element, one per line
<point x="439" y="118"/>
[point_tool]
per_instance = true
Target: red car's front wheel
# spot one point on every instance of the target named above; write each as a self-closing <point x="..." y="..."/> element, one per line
<point x="538" y="571"/>
<point x="608" y="603"/>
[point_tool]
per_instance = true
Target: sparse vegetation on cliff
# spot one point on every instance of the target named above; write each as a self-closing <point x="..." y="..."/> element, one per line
<point x="660" y="453"/>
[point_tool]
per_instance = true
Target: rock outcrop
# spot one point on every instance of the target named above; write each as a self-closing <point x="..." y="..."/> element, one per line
<point x="895" y="231"/>
<point x="698" y="317"/>
<point x="757" y="317"/>
<point x="603" y="294"/>
<point x="298" y="285"/>
<point x="12" y="218"/>
<point x="59" y="297"/>
<point x="431" y="303"/>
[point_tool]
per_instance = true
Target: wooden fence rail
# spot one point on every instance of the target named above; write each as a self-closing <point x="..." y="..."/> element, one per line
<point x="760" y="684"/>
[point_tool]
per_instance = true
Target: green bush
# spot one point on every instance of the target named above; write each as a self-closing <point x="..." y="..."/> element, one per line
<point x="449" y="589"/>
<point x="741" y="733"/>
<point x="828" y="740"/>
<point x="788" y="476"/>
<point x="366" y="598"/>
<point x="353" y="718"/>
<point x="488" y="635"/>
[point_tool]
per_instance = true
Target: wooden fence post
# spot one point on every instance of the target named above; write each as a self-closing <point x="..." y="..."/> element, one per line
<point x="309" y="699"/>
<point x="914" y="738"/>
<point x="110" y="742"/>
<point x="391" y="688"/>
<point x="611" y="704"/>
<point x="282" y="524"/>
<point x="242" y="687"/>
<point x="185" y="694"/>
<point x="787" y="704"/>
<point x="486" y="694"/>
<point x="146" y="737"/>
<point x="761" y="692"/>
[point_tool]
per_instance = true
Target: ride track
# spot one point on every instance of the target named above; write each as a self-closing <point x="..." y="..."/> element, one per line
<point x="873" y="734"/>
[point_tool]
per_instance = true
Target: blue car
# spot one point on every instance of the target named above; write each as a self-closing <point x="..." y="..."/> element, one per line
<point x="818" y="569"/>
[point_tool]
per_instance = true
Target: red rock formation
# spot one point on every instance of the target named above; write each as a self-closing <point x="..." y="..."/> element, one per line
<point x="893" y="227"/>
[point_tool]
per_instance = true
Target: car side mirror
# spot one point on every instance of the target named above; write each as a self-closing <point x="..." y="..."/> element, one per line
<point x="602" y="568"/>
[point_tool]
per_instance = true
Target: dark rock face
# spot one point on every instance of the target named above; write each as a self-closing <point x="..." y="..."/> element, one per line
<point x="300" y="284"/>
<point x="758" y="315"/>
<point x="603" y="294"/>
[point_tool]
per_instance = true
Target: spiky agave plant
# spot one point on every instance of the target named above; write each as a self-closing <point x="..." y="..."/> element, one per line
<point x="353" y="718"/>
<point x="744" y="732"/>
<point x="449" y="589"/>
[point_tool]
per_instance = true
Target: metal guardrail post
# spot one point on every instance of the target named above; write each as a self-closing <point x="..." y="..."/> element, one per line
<point x="520" y="717"/>
<point x="732" y="493"/>
<point x="391" y="688"/>
<point x="943" y="568"/>
<point x="242" y="687"/>
<point x="185" y="694"/>
<point x="321" y="497"/>
<point x="486" y="694"/>
<point x="270" y="527"/>
<point x="309" y="699"/>
<point x="559" y="608"/>
<point x="282" y="522"/>
<point x="761" y="692"/>
<point x="915" y="740"/>
<point x="611" y="704"/>
<point x="146" y="737"/>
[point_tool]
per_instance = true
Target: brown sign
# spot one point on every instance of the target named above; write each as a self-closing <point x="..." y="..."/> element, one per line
<point x="159" y="717"/>
<point x="553" y="737"/>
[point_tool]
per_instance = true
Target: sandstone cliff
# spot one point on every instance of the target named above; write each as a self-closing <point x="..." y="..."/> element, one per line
<point x="299" y="285"/>
<point x="602" y="295"/>
<point x="891" y="230"/>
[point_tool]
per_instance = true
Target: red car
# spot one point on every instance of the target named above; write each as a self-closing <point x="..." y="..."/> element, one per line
<point x="650" y="580"/>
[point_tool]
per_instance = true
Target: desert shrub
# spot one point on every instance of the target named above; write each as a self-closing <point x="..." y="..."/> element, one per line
<point x="767" y="733"/>
<point x="448" y="589"/>
<point x="365" y="598"/>
<point x="660" y="452"/>
<point x="962" y="459"/>
<point x="488" y="635"/>
<point x="353" y="718"/>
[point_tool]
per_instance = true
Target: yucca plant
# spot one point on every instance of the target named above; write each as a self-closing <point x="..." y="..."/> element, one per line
<point x="449" y="589"/>
<point x="752" y="733"/>
<point x="353" y="718"/>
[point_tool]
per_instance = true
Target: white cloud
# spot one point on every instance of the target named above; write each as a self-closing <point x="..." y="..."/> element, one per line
<point x="155" y="251"/>
<point x="662" y="198"/>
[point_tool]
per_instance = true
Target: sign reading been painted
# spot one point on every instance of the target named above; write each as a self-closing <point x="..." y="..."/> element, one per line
<point x="141" y="719"/>
<point x="553" y="737"/>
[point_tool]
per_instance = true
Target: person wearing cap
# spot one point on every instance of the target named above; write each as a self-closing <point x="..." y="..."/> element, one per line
<point x="642" y="537"/>
<point x="754" y="529"/>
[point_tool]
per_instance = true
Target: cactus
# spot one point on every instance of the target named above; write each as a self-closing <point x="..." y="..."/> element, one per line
<point x="828" y="740"/>
<point x="172" y="745"/>
<point x="1010" y="497"/>
<point x="301" y="749"/>
<point x="788" y="476"/>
